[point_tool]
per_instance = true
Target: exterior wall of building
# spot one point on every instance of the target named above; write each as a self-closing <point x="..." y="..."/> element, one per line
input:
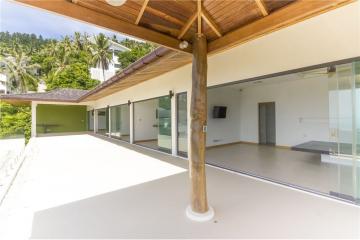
<point x="114" y="65"/>
<point x="60" y="118"/>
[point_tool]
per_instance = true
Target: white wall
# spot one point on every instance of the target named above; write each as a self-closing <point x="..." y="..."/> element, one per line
<point x="302" y="110"/>
<point x="226" y="130"/>
<point x="144" y="119"/>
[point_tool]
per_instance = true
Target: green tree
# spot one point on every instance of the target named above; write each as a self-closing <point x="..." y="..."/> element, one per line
<point x="75" y="76"/>
<point x="15" y="120"/>
<point x="20" y="70"/>
<point x="138" y="50"/>
<point x="101" y="54"/>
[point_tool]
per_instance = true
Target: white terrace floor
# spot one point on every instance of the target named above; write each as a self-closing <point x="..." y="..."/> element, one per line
<point x="81" y="186"/>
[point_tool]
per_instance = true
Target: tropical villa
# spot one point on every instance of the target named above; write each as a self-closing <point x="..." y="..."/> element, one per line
<point x="114" y="65"/>
<point x="265" y="89"/>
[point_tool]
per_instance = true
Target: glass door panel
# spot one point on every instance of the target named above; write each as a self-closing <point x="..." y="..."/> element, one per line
<point x="344" y="130"/>
<point x="120" y="122"/>
<point x="182" y="135"/>
<point x="164" y="123"/>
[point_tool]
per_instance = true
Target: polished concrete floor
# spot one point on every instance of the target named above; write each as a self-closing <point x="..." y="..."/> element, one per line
<point x="298" y="168"/>
<point x="88" y="187"/>
<point x="153" y="144"/>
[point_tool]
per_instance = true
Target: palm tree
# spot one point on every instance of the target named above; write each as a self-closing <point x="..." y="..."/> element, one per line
<point x="102" y="56"/>
<point x="20" y="71"/>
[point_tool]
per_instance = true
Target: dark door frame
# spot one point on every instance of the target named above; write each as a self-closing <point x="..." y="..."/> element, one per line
<point x="258" y="109"/>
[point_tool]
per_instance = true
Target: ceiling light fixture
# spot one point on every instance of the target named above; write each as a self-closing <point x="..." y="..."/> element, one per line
<point x="183" y="45"/>
<point x="116" y="3"/>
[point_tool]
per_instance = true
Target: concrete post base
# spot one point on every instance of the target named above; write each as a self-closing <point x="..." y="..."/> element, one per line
<point x="200" y="217"/>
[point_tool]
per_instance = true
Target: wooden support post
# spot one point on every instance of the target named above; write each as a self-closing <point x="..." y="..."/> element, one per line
<point x="199" y="209"/>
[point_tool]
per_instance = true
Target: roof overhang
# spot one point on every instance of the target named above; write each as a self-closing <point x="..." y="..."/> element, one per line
<point x="271" y="17"/>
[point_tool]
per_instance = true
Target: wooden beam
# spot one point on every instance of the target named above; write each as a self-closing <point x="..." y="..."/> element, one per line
<point x="261" y="5"/>
<point x="209" y="20"/>
<point x="188" y="24"/>
<point x="141" y="11"/>
<point x="164" y="16"/>
<point x="66" y="8"/>
<point x="198" y="123"/>
<point x="199" y="7"/>
<point x="292" y="14"/>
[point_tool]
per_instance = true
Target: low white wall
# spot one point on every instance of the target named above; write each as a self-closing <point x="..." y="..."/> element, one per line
<point x="144" y="119"/>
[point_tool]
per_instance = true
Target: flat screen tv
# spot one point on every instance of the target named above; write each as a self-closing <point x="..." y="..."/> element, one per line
<point x="219" y="112"/>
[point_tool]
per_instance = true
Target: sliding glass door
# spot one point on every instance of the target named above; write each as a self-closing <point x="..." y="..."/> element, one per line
<point x="90" y="120"/>
<point x="152" y="123"/>
<point x="120" y="122"/>
<point x="102" y="121"/>
<point x="344" y="97"/>
<point x="182" y="128"/>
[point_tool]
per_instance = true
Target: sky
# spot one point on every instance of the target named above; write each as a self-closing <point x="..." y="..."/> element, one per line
<point x="15" y="17"/>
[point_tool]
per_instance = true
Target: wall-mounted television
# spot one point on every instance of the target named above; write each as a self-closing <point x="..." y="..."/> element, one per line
<point x="219" y="112"/>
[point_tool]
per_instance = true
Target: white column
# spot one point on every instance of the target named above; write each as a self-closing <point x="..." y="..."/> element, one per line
<point x="109" y="109"/>
<point x="95" y="120"/>
<point x="174" y="149"/>
<point x="33" y="119"/>
<point x="132" y="130"/>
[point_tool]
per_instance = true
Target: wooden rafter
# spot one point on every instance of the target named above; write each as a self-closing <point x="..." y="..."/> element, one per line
<point x="164" y="16"/>
<point x="263" y="9"/>
<point x="292" y="14"/>
<point x="69" y="9"/>
<point x="199" y="24"/>
<point x="188" y="24"/>
<point x="209" y="20"/>
<point x="142" y="10"/>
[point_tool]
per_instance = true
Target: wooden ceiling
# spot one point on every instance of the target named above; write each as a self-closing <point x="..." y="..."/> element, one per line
<point x="168" y="22"/>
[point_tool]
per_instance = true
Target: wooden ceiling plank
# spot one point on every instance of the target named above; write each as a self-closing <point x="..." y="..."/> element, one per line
<point x="188" y="24"/>
<point x="284" y="17"/>
<point x="263" y="9"/>
<point x="69" y="9"/>
<point x="210" y="21"/>
<point x="143" y="7"/>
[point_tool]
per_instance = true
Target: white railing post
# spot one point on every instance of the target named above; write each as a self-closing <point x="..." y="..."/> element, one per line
<point x="33" y="119"/>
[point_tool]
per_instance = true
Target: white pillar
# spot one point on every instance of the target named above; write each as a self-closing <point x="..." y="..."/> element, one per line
<point x="95" y="120"/>
<point x="33" y="119"/>
<point x="109" y="109"/>
<point x="132" y="138"/>
<point x="174" y="144"/>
